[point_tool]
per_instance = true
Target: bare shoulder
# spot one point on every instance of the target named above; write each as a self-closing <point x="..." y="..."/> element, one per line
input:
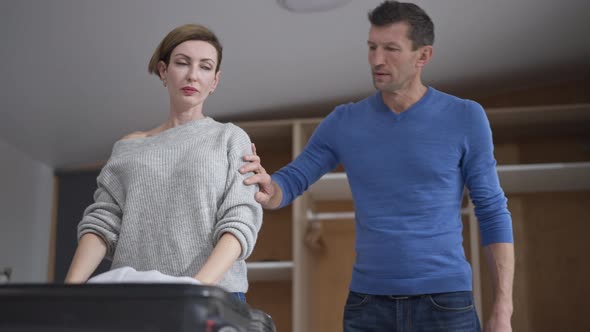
<point x="137" y="134"/>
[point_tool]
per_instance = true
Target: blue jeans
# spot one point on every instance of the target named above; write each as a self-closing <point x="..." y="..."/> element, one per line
<point x="432" y="312"/>
<point x="239" y="296"/>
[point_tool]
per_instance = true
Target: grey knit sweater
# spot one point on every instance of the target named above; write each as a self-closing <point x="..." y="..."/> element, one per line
<point x="164" y="201"/>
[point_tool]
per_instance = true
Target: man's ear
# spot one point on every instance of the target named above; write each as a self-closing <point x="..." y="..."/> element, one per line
<point x="425" y="54"/>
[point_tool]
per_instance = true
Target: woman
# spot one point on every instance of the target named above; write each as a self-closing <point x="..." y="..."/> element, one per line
<point x="171" y="199"/>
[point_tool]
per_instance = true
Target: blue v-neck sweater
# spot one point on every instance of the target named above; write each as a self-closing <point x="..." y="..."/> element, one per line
<point x="407" y="172"/>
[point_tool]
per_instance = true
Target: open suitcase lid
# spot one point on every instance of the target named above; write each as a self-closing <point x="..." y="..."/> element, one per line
<point x="123" y="307"/>
<point x="97" y="290"/>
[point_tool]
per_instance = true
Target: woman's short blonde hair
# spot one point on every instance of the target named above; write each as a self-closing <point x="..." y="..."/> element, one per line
<point x="179" y="36"/>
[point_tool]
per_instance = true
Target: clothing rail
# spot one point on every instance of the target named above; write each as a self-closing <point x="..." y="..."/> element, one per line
<point x="321" y="216"/>
<point x="325" y="216"/>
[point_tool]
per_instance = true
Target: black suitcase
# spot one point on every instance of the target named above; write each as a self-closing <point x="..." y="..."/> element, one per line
<point x="261" y="321"/>
<point x="126" y="307"/>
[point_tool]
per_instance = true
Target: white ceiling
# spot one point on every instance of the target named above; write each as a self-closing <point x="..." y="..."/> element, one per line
<point x="74" y="72"/>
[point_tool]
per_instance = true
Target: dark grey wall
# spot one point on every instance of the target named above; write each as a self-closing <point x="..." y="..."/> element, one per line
<point x="75" y="194"/>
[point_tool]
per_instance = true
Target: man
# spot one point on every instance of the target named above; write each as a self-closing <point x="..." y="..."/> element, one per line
<point x="408" y="152"/>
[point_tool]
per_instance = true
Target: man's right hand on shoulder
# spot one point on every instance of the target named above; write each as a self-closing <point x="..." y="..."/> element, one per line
<point x="269" y="194"/>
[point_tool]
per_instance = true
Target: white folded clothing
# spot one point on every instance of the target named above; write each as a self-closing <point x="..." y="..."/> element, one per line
<point x="130" y="275"/>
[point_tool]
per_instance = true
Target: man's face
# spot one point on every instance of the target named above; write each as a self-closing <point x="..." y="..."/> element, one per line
<point x="394" y="63"/>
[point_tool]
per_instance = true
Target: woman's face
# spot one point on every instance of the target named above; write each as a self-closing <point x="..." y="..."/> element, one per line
<point x="190" y="76"/>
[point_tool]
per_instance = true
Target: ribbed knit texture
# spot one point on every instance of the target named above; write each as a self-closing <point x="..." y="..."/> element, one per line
<point x="407" y="172"/>
<point x="163" y="202"/>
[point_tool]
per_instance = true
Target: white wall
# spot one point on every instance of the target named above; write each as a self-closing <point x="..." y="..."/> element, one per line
<point x="26" y="196"/>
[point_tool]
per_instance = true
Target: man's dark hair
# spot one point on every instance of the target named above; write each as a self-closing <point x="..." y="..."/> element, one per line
<point x="421" y="28"/>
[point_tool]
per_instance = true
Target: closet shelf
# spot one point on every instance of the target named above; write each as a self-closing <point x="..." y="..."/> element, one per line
<point x="526" y="116"/>
<point x="270" y="271"/>
<point x="553" y="177"/>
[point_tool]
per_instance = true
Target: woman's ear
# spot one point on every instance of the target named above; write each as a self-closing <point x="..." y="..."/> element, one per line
<point x="216" y="81"/>
<point x="162" y="70"/>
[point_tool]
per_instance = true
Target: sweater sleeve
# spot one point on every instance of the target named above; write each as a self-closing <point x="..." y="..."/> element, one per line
<point x="481" y="178"/>
<point x="239" y="213"/>
<point x="103" y="217"/>
<point x="317" y="158"/>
